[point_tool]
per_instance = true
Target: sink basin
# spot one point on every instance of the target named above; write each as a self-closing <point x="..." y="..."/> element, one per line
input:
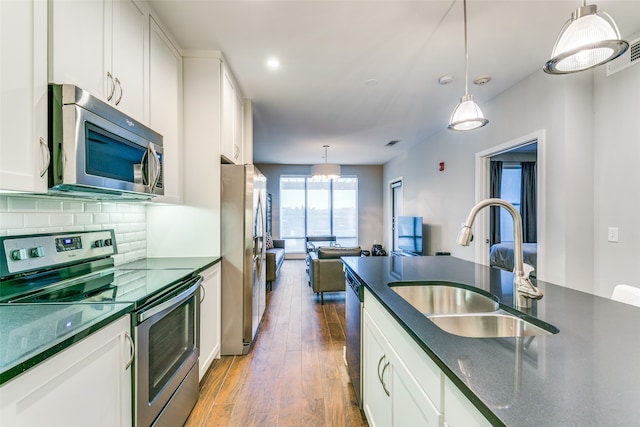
<point x="490" y="325"/>
<point x="445" y="298"/>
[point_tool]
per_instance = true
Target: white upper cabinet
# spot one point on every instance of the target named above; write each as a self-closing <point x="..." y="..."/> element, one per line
<point x="231" y="144"/>
<point x="23" y="95"/>
<point x="165" y="108"/>
<point x="99" y="45"/>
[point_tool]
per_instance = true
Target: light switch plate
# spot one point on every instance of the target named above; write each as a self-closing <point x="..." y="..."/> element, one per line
<point x="612" y="234"/>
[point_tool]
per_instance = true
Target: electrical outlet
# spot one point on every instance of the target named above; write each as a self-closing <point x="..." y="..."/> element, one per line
<point x="612" y="234"/>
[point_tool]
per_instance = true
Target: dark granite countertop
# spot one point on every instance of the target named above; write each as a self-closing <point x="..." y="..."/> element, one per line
<point x="31" y="333"/>
<point x="584" y="375"/>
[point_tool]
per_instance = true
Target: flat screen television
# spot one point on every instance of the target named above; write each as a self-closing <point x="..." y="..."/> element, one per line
<point x="410" y="234"/>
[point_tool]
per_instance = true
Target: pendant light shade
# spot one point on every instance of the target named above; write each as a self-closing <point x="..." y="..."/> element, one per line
<point x="588" y="39"/>
<point x="326" y="171"/>
<point x="467" y="115"/>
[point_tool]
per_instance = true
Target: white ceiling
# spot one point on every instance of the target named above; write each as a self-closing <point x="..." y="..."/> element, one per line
<point x="329" y="50"/>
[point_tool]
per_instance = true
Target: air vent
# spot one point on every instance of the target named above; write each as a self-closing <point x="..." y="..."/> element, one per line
<point x="392" y="143"/>
<point x="627" y="59"/>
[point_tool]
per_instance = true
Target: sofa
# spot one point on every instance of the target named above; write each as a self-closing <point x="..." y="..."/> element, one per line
<point x="275" y="258"/>
<point x="326" y="272"/>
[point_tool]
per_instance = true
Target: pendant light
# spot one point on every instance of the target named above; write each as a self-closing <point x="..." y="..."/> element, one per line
<point x="588" y="39"/>
<point x="467" y="115"/>
<point x="325" y="171"/>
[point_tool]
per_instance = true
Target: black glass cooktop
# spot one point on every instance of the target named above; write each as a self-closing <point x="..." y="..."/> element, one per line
<point x="111" y="285"/>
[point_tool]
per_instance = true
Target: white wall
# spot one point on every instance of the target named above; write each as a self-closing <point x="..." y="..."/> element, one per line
<point x="369" y="197"/>
<point x="617" y="178"/>
<point x="587" y="154"/>
<point x="32" y="215"/>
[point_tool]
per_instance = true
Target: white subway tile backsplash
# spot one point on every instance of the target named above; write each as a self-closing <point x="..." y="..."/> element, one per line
<point x="33" y="215"/>
<point x="36" y="220"/>
<point x="12" y="220"/>
<point x="92" y="207"/>
<point x="46" y="205"/>
<point x="73" y="206"/>
<point x="22" y="204"/>
<point x="100" y="218"/>
<point x="109" y="207"/>
<point x="83" y="219"/>
<point x="62" y="220"/>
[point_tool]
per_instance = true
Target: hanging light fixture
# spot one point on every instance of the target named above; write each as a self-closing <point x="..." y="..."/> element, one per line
<point x="588" y="39"/>
<point x="325" y="170"/>
<point x="467" y="115"/>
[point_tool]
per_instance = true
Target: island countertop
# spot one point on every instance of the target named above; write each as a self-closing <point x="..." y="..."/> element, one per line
<point x="585" y="375"/>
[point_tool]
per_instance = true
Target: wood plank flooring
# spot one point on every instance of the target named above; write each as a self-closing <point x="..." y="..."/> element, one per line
<point x="294" y="375"/>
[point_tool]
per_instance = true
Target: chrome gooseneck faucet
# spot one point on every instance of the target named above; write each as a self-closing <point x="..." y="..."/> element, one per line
<point x="523" y="289"/>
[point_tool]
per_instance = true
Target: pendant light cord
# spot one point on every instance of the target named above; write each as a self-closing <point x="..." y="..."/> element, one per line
<point x="466" y="51"/>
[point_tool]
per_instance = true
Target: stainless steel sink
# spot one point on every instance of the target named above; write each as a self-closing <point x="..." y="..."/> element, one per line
<point x="490" y="325"/>
<point x="445" y="298"/>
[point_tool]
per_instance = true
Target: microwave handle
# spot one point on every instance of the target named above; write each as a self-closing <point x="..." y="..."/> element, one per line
<point x="144" y="177"/>
<point x="153" y="182"/>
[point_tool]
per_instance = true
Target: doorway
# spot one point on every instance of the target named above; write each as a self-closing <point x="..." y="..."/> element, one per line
<point x="530" y="148"/>
<point x="396" y="209"/>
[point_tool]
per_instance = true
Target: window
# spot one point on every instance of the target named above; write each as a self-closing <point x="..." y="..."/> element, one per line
<point x="509" y="191"/>
<point x="312" y="207"/>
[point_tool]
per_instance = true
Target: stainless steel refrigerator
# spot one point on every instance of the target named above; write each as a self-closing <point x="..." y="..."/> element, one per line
<point x="243" y="290"/>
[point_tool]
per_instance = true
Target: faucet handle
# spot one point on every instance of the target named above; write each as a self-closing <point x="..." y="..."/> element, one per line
<point x="528" y="269"/>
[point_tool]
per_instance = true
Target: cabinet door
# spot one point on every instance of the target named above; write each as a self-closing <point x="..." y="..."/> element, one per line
<point x="228" y="107"/>
<point x="238" y="124"/>
<point x="458" y="409"/>
<point x="376" y="375"/>
<point x="128" y="57"/>
<point x="23" y="95"/>
<point x="80" y="42"/>
<point x="210" y="318"/>
<point x="165" y="108"/>
<point x="410" y="405"/>
<point x="88" y="384"/>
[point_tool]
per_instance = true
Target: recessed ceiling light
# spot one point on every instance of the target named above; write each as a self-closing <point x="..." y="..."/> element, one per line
<point x="273" y="63"/>
<point x="445" y="80"/>
<point x="371" y="82"/>
<point x="482" y="80"/>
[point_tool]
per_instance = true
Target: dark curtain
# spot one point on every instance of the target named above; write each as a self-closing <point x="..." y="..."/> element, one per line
<point x="494" y="192"/>
<point x="528" y="201"/>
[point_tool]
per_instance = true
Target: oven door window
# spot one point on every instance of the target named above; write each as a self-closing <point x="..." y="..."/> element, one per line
<point x="172" y="340"/>
<point x="110" y="156"/>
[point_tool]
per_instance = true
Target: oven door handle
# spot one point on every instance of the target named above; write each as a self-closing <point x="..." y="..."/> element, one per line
<point x="177" y="300"/>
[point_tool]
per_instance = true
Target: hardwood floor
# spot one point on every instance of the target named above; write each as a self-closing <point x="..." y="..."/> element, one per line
<point x="294" y="375"/>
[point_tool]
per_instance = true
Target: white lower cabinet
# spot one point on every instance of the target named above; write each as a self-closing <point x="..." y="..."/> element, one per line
<point x="459" y="411"/>
<point x="209" y="318"/>
<point x="402" y="386"/>
<point x="87" y="384"/>
<point x="392" y="395"/>
<point x="375" y="368"/>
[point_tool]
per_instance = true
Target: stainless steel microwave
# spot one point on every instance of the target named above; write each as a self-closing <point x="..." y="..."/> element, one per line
<point x="99" y="151"/>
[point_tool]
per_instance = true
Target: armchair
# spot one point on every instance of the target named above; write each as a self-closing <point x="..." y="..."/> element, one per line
<point x="326" y="272"/>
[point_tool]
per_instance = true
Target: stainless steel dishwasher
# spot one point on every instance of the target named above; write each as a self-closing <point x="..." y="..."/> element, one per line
<point x="353" y="312"/>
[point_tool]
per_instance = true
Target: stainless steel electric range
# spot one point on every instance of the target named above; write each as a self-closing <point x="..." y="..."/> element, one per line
<point x="78" y="267"/>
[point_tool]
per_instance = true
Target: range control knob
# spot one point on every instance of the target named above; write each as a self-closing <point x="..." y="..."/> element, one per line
<point x="98" y="243"/>
<point x="36" y="252"/>
<point x="108" y="242"/>
<point x="19" y="254"/>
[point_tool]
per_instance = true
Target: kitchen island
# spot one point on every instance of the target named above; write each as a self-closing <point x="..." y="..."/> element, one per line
<point x="583" y="375"/>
